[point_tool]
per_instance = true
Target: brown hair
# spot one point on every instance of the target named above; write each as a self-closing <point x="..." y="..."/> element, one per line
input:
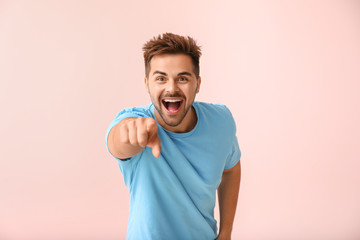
<point x="172" y="43"/>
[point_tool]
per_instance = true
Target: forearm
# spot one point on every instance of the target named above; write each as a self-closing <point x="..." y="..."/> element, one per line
<point x="228" y="192"/>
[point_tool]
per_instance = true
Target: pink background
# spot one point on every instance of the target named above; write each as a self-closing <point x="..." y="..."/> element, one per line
<point x="288" y="70"/>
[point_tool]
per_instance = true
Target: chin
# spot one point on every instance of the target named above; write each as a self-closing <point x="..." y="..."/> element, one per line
<point x="172" y="120"/>
<point x="173" y="123"/>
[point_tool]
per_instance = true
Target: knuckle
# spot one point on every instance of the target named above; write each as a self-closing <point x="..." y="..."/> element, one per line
<point x="140" y="120"/>
<point x="124" y="139"/>
<point x="131" y="123"/>
<point x="128" y="120"/>
<point x="123" y="127"/>
<point x="151" y="123"/>
<point x="142" y="142"/>
<point x="133" y="141"/>
<point x="142" y="138"/>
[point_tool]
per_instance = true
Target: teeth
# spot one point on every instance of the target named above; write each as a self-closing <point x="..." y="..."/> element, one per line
<point x="170" y="100"/>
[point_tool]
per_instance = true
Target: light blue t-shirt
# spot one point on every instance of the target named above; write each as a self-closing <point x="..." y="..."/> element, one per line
<point x="173" y="196"/>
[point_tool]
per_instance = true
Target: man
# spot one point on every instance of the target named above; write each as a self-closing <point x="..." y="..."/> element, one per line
<point x="176" y="152"/>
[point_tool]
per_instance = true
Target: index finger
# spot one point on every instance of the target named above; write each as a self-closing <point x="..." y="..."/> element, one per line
<point x="154" y="140"/>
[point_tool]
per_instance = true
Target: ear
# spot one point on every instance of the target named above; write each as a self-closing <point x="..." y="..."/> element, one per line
<point x="146" y="84"/>
<point x="198" y="84"/>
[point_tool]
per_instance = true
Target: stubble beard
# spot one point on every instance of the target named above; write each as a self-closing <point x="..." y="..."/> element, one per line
<point x="168" y="123"/>
<point x="158" y="108"/>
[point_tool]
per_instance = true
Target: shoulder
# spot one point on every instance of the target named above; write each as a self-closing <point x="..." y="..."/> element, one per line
<point x="216" y="109"/>
<point x="141" y="111"/>
<point x="216" y="113"/>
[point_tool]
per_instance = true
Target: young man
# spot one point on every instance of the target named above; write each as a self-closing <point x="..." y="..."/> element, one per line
<point x="176" y="152"/>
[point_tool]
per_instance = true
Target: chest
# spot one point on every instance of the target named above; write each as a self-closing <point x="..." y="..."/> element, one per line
<point x="207" y="155"/>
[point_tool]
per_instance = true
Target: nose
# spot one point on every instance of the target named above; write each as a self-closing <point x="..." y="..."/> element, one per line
<point x="172" y="86"/>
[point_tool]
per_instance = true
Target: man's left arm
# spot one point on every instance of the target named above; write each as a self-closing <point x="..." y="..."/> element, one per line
<point x="228" y="193"/>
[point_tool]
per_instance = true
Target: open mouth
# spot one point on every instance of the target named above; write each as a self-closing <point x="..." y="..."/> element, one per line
<point x="172" y="105"/>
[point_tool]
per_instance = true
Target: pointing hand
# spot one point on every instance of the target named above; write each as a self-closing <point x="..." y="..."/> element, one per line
<point x="141" y="132"/>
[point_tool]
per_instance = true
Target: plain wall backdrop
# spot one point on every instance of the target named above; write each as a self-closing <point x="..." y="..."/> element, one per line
<point x="288" y="70"/>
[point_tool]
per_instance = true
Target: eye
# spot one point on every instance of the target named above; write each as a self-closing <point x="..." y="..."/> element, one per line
<point x="160" y="79"/>
<point x="182" y="79"/>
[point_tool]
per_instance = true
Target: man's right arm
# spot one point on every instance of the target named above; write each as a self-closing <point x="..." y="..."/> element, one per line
<point x="130" y="136"/>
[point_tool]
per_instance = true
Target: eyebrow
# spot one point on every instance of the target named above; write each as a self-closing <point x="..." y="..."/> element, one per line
<point x="179" y="74"/>
<point x="159" y="72"/>
<point x="184" y="73"/>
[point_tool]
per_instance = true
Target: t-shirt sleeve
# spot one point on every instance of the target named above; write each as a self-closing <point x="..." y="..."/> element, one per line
<point x="127" y="112"/>
<point x="234" y="156"/>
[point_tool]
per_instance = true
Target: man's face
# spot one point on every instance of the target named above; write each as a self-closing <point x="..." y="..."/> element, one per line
<point x="172" y="86"/>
